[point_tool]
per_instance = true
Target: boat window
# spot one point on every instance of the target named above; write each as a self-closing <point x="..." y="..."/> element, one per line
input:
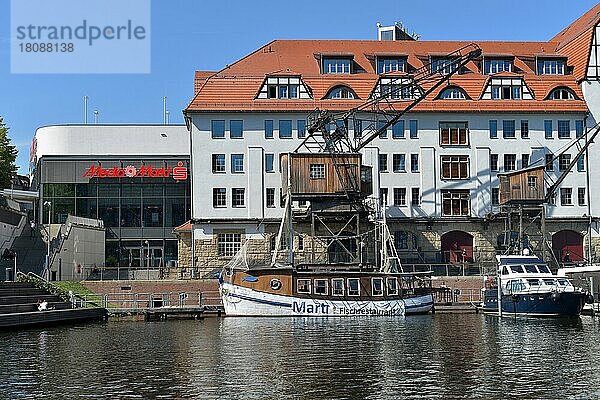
<point x="563" y="282"/>
<point x="353" y="287"/>
<point x="321" y="287"/>
<point x="337" y="287"/>
<point x="544" y="269"/>
<point x="531" y="269"/>
<point x="377" y="286"/>
<point x="504" y="271"/>
<point x="517" y="286"/>
<point x="392" y="286"/>
<point x="533" y="282"/>
<point x="303" y="286"/>
<point x="517" y="269"/>
<point x="549" y="282"/>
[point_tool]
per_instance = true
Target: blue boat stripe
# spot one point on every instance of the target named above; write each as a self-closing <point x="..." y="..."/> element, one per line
<point x="273" y="303"/>
<point x="277" y="303"/>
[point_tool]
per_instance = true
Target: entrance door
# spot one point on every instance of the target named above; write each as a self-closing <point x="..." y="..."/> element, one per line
<point x="457" y="247"/>
<point x="567" y="246"/>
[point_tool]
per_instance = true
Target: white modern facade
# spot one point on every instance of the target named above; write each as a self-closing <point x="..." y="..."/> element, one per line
<point x="132" y="177"/>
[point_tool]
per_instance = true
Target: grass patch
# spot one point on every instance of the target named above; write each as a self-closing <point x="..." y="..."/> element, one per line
<point x="81" y="290"/>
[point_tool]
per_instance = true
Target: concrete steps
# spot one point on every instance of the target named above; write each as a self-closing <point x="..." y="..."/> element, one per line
<point x="19" y="307"/>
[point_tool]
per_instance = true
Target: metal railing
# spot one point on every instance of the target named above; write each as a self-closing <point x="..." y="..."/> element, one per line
<point x="457" y="295"/>
<point x="139" y="302"/>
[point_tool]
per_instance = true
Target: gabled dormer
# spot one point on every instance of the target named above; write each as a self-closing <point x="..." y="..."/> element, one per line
<point x="506" y="86"/>
<point x="396" y="88"/>
<point x="283" y="87"/>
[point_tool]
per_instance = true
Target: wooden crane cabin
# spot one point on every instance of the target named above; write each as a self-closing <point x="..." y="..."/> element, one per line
<point x="525" y="186"/>
<point x="319" y="175"/>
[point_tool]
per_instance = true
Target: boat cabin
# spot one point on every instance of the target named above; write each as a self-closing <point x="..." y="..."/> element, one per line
<point x="518" y="266"/>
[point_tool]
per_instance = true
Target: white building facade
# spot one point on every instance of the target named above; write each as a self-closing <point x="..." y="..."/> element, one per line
<point x="519" y="105"/>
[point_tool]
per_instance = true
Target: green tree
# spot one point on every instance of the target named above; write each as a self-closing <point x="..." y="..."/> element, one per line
<point x="8" y="156"/>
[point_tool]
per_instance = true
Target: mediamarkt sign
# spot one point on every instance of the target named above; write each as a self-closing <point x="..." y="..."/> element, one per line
<point x="179" y="173"/>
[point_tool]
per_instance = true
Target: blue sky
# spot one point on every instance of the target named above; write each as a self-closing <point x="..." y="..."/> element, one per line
<point x="191" y="34"/>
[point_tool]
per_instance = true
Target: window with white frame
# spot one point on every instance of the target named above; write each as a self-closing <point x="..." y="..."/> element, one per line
<point x="415" y="196"/>
<point x="340" y="93"/>
<point x="581" y="198"/>
<point x="321" y="287"/>
<point x="443" y="65"/>
<point x="228" y="244"/>
<point x="566" y="196"/>
<point x="414" y="163"/>
<point x="495" y="65"/>
<point x="269" y="162"/>
<point x="507" y="89"/>
<point x="392" y="286"/>
<point x="454" y="133"/>
<point x="510" y="162"/>
<point x="283" y="88"/>
<point x="377" y="286"/>
<point x="562" y="94"/>
<point x="399" y="197"/>
<point x="337" y="65"/>
<point x="219" y="197"/>
<point x="270" y="198"/>
<point x="390" y="64"/>
<point x="508" y="129"/>
<point x="455" y="167"/>
<point x="563" y="162"/>
<point x="551" y="66"/>
<point x="337" y="286"/>
<point x="455" y="203"/>
<point x="353" y="287"/>
<point x="303" y="286"/>
<point x="317" y="171"/>
<point x="493" y="162"/>
<point x="396" y="88"/>
<point x="564" y="129"/>
<point x="399" y="162"/>
<point x="218" y="163"/>
<point x="237" y="163"/>
<point x="495" y="196"/>
<point x="383" y="164"/>
<point x="238" y="197"/>
<point x="236" y="129"/>
<point x="452" y="93"/>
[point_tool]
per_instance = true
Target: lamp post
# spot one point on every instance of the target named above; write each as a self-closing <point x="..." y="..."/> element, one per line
<point x="147" y="243"/>
<point x="49" y="204"/>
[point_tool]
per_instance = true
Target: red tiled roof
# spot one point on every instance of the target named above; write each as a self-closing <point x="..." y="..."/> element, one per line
<point x="235" y="87"/>
<point x="185" y="227"/>
<point x="574" y="41"/>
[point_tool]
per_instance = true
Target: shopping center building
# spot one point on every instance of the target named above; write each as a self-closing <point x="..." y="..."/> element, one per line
<point x="518" y="105"/>
<point x="132" y="177"/>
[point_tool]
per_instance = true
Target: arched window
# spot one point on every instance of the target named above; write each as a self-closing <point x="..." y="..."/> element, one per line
<point x="341" y="93"/>
<point x="453" y="93"/>
<point x="562" y="93"/>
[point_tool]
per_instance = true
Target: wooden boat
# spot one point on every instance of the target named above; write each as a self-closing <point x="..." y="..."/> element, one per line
<point x="324" y="292"/>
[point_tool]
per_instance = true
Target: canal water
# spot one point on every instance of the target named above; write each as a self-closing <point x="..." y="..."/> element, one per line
<point x="439" y="356"/>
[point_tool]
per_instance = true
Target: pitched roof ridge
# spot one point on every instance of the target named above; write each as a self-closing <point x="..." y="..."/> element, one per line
<point x="574" y="30"/>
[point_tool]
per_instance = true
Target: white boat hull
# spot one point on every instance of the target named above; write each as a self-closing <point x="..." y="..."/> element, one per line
<point x="241" y="301"/>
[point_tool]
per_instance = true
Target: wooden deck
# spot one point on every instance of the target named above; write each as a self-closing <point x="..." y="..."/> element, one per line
<point x="51" y="317"/>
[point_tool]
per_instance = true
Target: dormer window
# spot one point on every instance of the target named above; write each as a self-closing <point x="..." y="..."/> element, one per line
<point x="337" y="65"/>
<point x="551" y="66"/>
<point x="340" y="93"/>
<point x="390" y="64"/>
<point x="562" y="93"/>
<point x="507" y="89"/>
<point x="495" y="65"/>
<point x="452" y="93"/>
<point x="284" y="88"/>
<point x="443" y="65"/>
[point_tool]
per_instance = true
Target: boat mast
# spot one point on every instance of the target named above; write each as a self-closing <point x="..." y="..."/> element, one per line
<point x="384" y="237"/>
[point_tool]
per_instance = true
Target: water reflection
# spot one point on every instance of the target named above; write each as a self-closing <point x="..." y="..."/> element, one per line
<point x="441" y="356"/>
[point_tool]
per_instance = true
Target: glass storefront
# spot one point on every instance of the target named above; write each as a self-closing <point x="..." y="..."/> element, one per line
<point x="134" y="209"/>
